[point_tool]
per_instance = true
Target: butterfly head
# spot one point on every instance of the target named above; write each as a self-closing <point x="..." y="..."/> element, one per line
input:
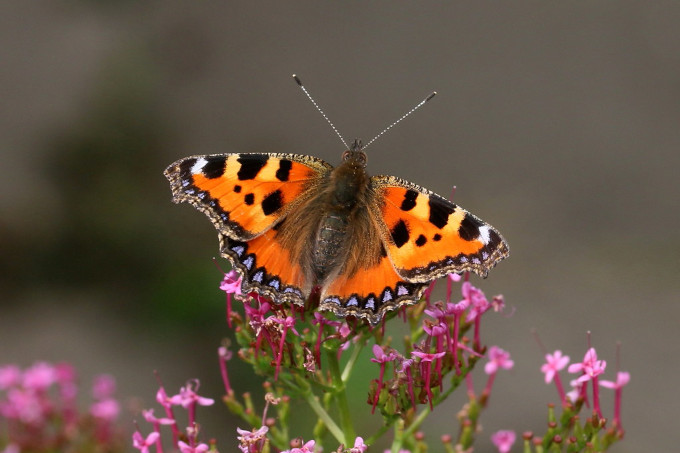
<point x="355" y="154"/>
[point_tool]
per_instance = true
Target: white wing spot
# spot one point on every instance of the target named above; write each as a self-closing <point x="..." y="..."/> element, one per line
<point x="484" y="234"/>
<point x="198" y="166"/>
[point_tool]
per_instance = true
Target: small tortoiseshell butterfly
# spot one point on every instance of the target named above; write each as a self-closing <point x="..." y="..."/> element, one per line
<point x="291" y="224"/>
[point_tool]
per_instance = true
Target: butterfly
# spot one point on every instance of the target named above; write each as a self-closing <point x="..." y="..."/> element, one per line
<point x="292" y="225"/>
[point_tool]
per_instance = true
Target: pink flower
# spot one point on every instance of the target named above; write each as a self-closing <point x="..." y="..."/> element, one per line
<point x="151" y="418"/>
<point x="186" y="448"/>
<point x="382" y="359"/>
<point x="498" y="358"/>
<point x="503" y="440"/>
<point x="359" y="446"/>
<point x="39" y="376"/>
<point x="189" y="399"/>
<point x="428" y="357"/>
<point x="288" y="323"/>
<point x="24" y="405"/>
<point x="231" y="283"/>
<point x="477" y="300"/>
<point x="187" y="396"/>
<point x="426" y="365"/>
<point x="622" y="378"/>
<point x="590" y="367"/>
<point x="143" y="444"/>
<point x="553" y="363"/>
<point x="248" y="439"/>
<point x="380" y="356"/>
<point x="10" y="375"/>
<point x="107" y="409"/>
<point x="104" y="386"/>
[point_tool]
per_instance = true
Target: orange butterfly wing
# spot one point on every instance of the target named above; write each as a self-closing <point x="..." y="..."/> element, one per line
<point x="370" y="293"/>
<point x="246" y="196"/>
<point x="428" y="236"/>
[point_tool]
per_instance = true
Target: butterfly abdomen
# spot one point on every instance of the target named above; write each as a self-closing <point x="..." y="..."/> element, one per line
<point x="341" y="201"/>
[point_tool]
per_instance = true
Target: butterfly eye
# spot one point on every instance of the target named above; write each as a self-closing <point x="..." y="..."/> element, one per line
<point x="357" y="156"/>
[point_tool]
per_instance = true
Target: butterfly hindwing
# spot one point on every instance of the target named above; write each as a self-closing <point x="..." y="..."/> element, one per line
<point x="370" y="293"/>
<point x="246" y="196"/>
<point x="428" y="236"/>
<point x="267" y="267"/>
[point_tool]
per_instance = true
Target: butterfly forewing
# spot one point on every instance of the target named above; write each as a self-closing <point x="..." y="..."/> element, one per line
<point x="428" y="236"/>
<point x="244" y="194"/>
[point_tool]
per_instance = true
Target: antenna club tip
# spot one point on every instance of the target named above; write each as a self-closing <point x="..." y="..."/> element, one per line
<point x="297" y="79"/>
<point x="434" y="93"/>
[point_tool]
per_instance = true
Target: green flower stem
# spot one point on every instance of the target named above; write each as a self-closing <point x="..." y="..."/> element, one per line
<point x="320" y="411"/>
<point x="340" y="394"/>
<point x="349" y="366"/>
<point x="398" y="437"/>
<point x="378" y="434"/>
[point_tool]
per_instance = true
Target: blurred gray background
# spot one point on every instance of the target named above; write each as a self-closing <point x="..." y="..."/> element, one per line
<point x="559" y="123"/>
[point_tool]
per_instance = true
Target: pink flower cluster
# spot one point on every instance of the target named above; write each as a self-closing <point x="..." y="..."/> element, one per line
<point x="39" y="408"/>
<point x="186" y="442"/>
<point x="588" y="370"/>
<point x="442" y="350"/>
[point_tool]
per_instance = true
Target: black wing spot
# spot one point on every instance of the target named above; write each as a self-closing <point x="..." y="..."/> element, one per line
<point x="215" y="166"/>
<point x="422" y="240"/>
<point x="469" y="227"/>
<point x="440" y="212"/>
<point x="437" y="237"/>
<point x="237" y="188"/>
<point x="283" y="173"/>
<point x="251" y="165"/>
<point x="409" y="201"/>
<point x="249" y="199"/>
<point x="272" y="203"/>
<point x="400" y="234"/>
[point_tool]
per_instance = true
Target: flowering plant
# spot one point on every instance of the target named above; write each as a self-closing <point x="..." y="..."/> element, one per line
<point x="307" y="356"/>
<point x="39" y="413"/>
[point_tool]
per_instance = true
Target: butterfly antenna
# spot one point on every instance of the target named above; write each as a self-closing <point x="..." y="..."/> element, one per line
<point x="299" y="82"/>
<point x="420" y="104"/>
